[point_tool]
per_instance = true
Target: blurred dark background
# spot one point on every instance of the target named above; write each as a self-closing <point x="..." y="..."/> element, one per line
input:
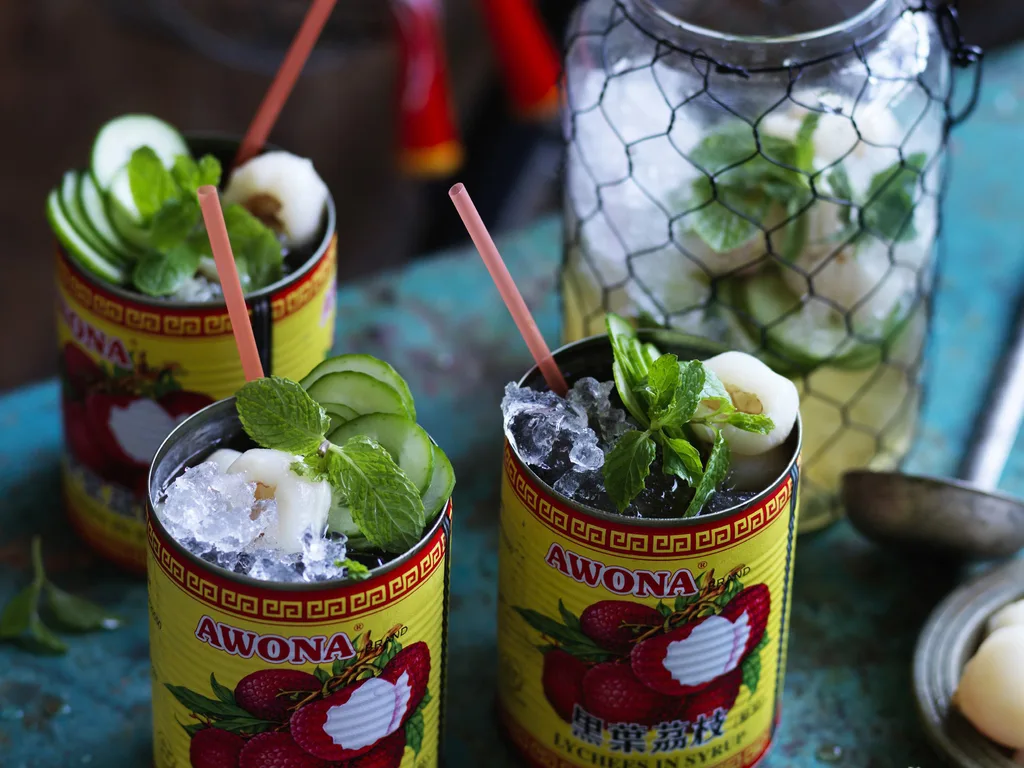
<point x="67" y="66"/>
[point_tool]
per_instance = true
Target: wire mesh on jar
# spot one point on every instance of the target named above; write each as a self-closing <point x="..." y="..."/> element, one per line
<point x="781" y="195"/>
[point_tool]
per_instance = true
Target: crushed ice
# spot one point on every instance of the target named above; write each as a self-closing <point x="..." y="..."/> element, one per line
<point x="217" y="517"/>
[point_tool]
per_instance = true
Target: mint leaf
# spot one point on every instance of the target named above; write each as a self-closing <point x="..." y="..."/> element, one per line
<point x="839" y="185"/>
<point x="161" y="273"/>
<point x="256" y="248"/>
<point x="629" y="399"/>
<point x="77" y="614"/>
<point x="354" y="569"/>
<point x="733" y="216"/>
<point x="661" y="382"/>
<point x="714" y="398"/>
<point x="174" y="222"/>
<point x="152" y="185"/>
<point x="278" y="413"/>
<point x="630" y="365"/>
<point x="889" y="209"/>
<point x="209" y="171"/>
<point x="19" y="613"/>
<point x="805" y="142"/>
<point x="751" y="422"/>
<point x="681" y="459"/>
<point x="685" y="399"/>
<point x="385" y="504"/>
<point x="626" y="467"/>
<point x="189" y="175"/>
<point x="714" y="473"/>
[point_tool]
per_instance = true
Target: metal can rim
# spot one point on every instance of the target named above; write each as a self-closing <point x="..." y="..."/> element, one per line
<point x="303" y="586"/>
<point x="307" y="266"/>
<point x="659" y="522"/>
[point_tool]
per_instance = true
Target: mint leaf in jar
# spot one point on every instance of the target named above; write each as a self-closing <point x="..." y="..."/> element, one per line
<point x="151" y="184"/>
<point x="661" y="382"/>
<point x="190" y="175"/>
<point x="627" y="466"/>
<point x="714" y="473"/>
<point x="256" y="248"/>
<point x="354" y="569"/>
<point x="174" y="222"/>
<point x="681" y="458"/>
<point x="385" y="504"/>
<point x="161" y="273"/>
<point x="278" y="413"/>
<point x="889" y="208"/>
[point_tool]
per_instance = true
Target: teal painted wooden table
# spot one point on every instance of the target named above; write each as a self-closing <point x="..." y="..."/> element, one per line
<point x="856" y="610"/>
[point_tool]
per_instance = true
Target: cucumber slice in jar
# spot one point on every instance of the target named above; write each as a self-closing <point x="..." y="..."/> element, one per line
<point x="339" y="520"/>
<point x="359" y="391"/>
<point x="116" y="141"/>
<point x="802" y="336"/>
<point x="77" y="247"/>
<point x="442" y="483"/>
<point x="339" y="414"/>
<point x="406" y="441"/>
<point x="369" y="365"/>
<point x="94" y="208"/>
<point x="73" y="210"/>
<point x="124" y="216"/>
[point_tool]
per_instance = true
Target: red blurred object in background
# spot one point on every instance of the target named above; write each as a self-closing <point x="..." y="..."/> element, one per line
<point x="430" y="144"/>
<point x="529" y="61"/>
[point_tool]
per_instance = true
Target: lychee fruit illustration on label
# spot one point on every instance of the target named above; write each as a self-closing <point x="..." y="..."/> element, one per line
<point x="615" y="624"/>
<point x="681" y="662"/>
<point x="361" y="712"/>
<point x="270" y="694"/>
<point x="562" y="678"/>
<point x="116" y="418"/>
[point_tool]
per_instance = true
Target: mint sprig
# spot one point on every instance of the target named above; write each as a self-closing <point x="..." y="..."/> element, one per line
<point x="22" y="620"/>
<point x="386" y="505"/>
<point x="665" y="395"/>
<point x="175" y="234"/>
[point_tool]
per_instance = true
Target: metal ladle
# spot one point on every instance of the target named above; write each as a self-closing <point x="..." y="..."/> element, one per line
<point x="967" y="518"/>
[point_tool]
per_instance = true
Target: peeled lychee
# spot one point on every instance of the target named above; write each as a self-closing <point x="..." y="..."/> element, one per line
<point x="562" y="679"/>
<point x="272" y="694"/>
<point x="414" y="662"/>
<point x="613" y="624"/>
<point x="387" y="754"/>
<point x="721" y="694"/>
<point x="991" y="690"/>
<point x="690" y="657"/>
<point x="1008" y="616"/>
<point x="612" y="692"/>
<point x="276" y="749"/>
<point x="352" y="721"/>
<point x="215" y="748"/>
<point x="756" y="603"/>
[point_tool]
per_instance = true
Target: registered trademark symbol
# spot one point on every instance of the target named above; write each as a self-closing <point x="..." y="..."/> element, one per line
<point x="702" y="564"/>
<point x="358" y="628"/>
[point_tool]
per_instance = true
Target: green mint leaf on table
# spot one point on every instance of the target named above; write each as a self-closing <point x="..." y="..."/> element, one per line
<point x="385" y="504"/>
<point x="355" y="569"/>
<point x="161" y="273"/>
<point x="174" y="222"/>
<point x="627" y="466"/>
<point x="75" y="614"/>
<point x="714" y="473"/>
<point x="256" y="248"/>
<point x="751" y="422"/>
<point x="889" y="208"/>
<point x="278" y="413"/>
<point x="151" y="184"/>
<point x="681" y="459"/>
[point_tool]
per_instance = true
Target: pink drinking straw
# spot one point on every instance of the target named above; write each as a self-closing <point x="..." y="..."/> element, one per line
<point x="217" y="231"/>
<point x="305" y="39"/>
<point x="507" y="288"/>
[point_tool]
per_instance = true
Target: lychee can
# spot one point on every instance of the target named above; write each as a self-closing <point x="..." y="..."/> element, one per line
<point x="251" y="673"/>
<point x="132" y="367"/>
<point x="648" y="643"/>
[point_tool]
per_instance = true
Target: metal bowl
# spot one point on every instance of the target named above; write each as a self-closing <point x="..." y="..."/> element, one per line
<point x="952" y="635"/>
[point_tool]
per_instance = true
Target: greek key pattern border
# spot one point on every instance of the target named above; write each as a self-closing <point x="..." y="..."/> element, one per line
<point x="282" y="607"/>
<point x="640" y="541"/>
<point x="187" y="322"/>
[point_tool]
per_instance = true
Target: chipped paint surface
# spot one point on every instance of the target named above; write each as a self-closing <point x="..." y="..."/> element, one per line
<point x="856" y="609"/>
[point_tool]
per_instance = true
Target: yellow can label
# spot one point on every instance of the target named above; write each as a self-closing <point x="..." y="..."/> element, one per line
<point x="641" y="646"/>
<point x="246" y="675"/>
<point x="131" y="370"/>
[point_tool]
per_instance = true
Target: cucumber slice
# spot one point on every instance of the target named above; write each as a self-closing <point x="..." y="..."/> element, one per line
<point x="73" y="210"/>
<point x="120" y="193"/>
<point x="340" y="414"/>
<point x="358" y="391"/>
<point x="125" y="220"/>
<point x="116" y="141"/>
<point x="442" y="482"/>
<point x="403" y="438"/>
<point x="77" y="247"/>
<point x="93" y="207"/>
<point x="369" y="365"/>
<point x="339" y="520"/>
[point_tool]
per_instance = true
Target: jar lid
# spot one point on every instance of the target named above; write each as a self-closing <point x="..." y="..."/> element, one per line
<point x="949" y="639"/>
<point x="767" y="18"/>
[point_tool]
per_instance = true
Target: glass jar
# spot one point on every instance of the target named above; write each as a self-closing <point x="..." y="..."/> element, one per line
<point x="767" y="174"/>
